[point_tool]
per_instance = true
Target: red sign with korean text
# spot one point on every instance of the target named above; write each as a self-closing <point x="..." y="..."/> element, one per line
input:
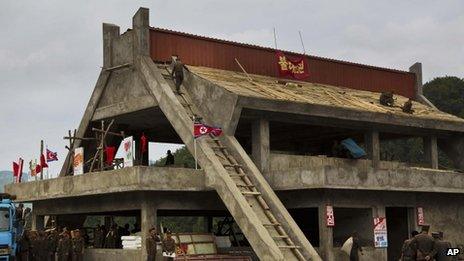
<point x="330" y="218"/>
<point x="296" y="67"/>
<point x="420" y="216"/>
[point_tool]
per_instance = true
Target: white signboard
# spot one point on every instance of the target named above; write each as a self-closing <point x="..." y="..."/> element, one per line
<point x="78" y="161"/>
<point x="128" y="151"/>
<point x="380" y="232"/>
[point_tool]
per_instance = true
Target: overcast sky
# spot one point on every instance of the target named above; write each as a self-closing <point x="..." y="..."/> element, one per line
<point x="51" y="51"/>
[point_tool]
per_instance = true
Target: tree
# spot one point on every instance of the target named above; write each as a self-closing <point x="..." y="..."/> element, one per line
<point x="182" y="158"/>
<point x="447" y="94"/>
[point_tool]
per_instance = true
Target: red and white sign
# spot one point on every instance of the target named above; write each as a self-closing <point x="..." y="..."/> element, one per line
<point x="380" y="232"/>
<point x="420" y="216"/>
<point x="330" y="218"/>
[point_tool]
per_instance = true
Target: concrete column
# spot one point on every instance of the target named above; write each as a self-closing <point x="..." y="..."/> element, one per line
<point x="431" y="151"/>
<point x="325" y="235"/>
<point x="417" y="70"/>
<point x="260" y="145"/>
<point x="373" y="147"/>
<point x="110" y="32"/>
<point x="37" y="222"/>
<point x="148" y="220"/>
<point x="141" y="24"/>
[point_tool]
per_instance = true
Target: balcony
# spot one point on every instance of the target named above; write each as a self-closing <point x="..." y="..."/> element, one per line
<point x="289" y="172"/>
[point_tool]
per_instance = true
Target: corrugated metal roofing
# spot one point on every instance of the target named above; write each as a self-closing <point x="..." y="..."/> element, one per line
<point x="215" y="53"/>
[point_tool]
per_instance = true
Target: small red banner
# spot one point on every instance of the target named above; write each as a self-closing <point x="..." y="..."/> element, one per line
<point x="330" y="218"/>
<point x="296" y="67"/>
<point x="420" y="216"/>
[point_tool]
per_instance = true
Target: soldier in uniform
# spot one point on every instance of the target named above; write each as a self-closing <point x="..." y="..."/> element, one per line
<point x="111" y="238"/>
<point x="24" y="246"/>
<point x="407" y="107"/>
<point x="151" y="242"/>
<point x="52" y="243"/>
<point x="386" y="98"/>
<point x="98" y="237"/>
<point x="33" y="245"/>
<point x="407" y="253"/>
<point x="178" y="73"/>
<point x="424" y="245"/>
<point x="64" y="247"/>
<point x="41" y="250"/>
<point x="441" y="247"/>
<point x="78" y="245"/>
<point x="169" y="245"/>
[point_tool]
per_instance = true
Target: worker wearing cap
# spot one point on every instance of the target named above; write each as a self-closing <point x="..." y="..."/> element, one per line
<point x="64" y="246"/>
<point x="441" y="247"/>
<point x="407" y="253"/>
<point x="424" y="245"/>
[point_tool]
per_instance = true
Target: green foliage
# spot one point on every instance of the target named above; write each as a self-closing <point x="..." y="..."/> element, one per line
<point x="447" y="93"/>
<point x="184" y="224"/>
<point x="182" y="158"/>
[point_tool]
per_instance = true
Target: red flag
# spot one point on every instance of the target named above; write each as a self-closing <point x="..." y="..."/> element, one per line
<point x="15" y="169"/>
<point x="200" y="129"/>
<point x="51" y="156"/>
<point x="38" y="169"/>
<point x="21" y="164"/>
<point x="296" y="67"/>
<point x="110" y="153"/>
<point x="43" y="162"/>
<point x="143" y="144"/>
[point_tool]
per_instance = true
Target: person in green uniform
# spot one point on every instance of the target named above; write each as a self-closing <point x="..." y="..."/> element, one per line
<point x="169" y="245"/>
<point x="151" y="243"/>
<point x="64" y="247"/>
<point x="78" y="245"/>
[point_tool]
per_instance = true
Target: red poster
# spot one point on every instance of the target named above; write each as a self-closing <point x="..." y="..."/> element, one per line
<point x="330" y="218"/>
<point x="296" y="67"/>
<point x="420" y="216"/>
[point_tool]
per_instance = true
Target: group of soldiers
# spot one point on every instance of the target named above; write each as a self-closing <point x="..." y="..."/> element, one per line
<point x="423" y="246"/>
<point x="51" y="245"/>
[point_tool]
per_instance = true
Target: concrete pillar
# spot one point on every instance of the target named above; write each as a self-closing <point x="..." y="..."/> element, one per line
<point x="260" y="145"/>
<point x="141" y="26"/>
<point x="148" y="220"/>
<point x="373" y="147"/>
<point x="431" y="151"/>
<point x="37" y="222"/>
<point x="325" y="235"/>
<point x="110" y="32"/>
<point x="417" y="70"/>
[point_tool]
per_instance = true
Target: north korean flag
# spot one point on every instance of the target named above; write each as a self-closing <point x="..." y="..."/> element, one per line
<point x="200" y="129"/>
<point x="51" y="156"/>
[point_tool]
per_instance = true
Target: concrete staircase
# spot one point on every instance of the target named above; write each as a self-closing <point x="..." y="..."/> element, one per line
<point x="269" y="228"/>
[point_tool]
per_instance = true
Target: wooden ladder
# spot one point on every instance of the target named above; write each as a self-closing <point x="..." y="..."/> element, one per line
<point x="237" y="174"/>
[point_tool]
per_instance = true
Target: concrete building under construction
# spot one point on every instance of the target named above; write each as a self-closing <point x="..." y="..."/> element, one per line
<point x="271" y="170"/>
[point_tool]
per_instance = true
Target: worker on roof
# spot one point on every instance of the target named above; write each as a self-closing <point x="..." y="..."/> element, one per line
<point x="386" y="99"/>
<point x="407" y="107"/>
<point x="177" y="72"/>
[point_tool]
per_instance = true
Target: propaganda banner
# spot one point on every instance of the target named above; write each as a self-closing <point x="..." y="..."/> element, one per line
<point x="380" y="232"/>
<point x="128" y="151"/>
<point x="78" y="161"/>
<point x="420" y="216"/>
<point x="330" y="218"/>
<point x="296" y="67"/>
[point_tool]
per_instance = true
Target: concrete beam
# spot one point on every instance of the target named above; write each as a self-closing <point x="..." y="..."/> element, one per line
<point x="431" y="151"/>
<point x="141" y="26"/>
<point x="418" y="89"/>
<point x="373" y="147"/>
<point x="110" y="32"/>
<point x="261" y="145"/>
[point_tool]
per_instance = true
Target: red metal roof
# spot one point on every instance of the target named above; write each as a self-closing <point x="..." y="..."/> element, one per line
<point x="216" y="53"/>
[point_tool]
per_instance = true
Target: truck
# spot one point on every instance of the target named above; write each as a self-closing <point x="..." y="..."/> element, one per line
<point x="9" y="227"/>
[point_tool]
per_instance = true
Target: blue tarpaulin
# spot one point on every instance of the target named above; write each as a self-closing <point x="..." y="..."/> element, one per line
<point x="355" y="151"/>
